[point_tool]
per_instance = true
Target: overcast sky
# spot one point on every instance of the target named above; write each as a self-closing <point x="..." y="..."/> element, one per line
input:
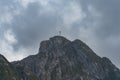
<point x="25" y="23"/>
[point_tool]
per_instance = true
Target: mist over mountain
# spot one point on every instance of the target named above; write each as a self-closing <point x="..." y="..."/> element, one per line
<point x="60" y="59"/>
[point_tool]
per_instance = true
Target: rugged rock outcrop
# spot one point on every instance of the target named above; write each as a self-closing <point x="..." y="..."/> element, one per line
<point x="7" y="71"/>
<point x="61" y="59"/>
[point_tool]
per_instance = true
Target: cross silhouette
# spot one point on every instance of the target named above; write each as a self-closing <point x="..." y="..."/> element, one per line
<point x="60" y="33"/>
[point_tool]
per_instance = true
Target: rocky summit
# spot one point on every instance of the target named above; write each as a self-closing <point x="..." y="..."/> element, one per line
<point x="60" y="59"/>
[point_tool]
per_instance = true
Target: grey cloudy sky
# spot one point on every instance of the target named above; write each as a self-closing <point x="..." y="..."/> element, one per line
<point x="24" y="23"/>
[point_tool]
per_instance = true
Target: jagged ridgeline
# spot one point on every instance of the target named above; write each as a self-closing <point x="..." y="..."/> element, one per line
<point x="60" y="59"/>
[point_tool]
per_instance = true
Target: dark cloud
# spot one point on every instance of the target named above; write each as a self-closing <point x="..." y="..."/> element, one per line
<point x="107" y="31"/>
<point x="31" y="25"/>
<point x="109" y="19"/>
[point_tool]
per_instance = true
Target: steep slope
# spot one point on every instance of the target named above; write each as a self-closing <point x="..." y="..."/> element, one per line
<point x="61" y="59"/>
<point x="7" y="71"/>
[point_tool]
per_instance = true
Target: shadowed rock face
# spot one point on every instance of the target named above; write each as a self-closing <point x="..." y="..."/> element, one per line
<point x="7" y="71"/>
<point x="61" y="59"/>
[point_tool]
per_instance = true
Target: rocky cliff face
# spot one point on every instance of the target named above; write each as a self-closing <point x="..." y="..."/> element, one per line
<point x="7" y="71"/>
<point x="61" y="59"/>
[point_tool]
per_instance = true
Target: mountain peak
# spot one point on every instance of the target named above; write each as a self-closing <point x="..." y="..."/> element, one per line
<point x="53" y="42"/>
<point x="59" y="39"/>
<point x="62" y="59"/>
<point x="2" y="58"/>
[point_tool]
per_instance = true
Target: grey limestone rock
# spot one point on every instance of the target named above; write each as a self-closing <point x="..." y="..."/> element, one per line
<point x="61" y="59"/>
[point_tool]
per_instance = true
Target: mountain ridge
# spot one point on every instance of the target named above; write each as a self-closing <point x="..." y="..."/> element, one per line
<point x="61" y="59"/>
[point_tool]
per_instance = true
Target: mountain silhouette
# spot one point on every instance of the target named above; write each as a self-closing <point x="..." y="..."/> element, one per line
<point x="61" y="59"/>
